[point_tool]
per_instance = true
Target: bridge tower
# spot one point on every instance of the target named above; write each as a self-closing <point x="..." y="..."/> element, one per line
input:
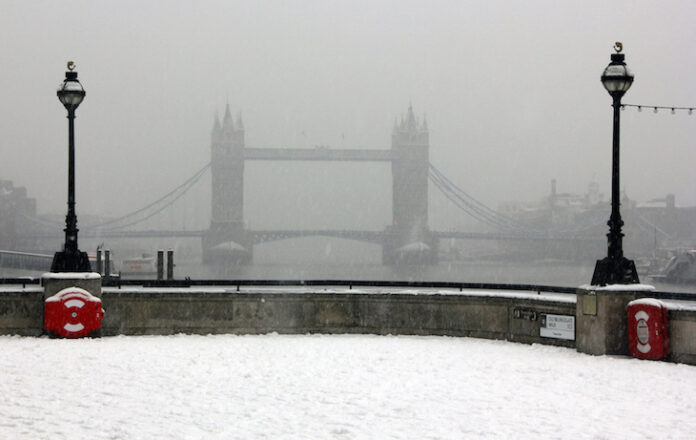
<point x="227" y="239"/>
<point x="408" y="239"/>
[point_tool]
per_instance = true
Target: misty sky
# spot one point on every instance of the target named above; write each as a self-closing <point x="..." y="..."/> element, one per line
<point x="511" y="91"/>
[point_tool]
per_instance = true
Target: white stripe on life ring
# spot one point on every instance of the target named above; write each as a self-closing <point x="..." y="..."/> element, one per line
<point x="73" y="327"/>
<point x="641" y="314"/>
<point x="74" y="303"/>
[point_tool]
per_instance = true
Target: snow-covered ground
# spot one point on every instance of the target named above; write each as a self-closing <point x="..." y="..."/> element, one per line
<point x="333" y="387"/>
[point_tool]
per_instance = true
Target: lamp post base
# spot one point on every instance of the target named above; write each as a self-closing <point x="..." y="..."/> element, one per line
<point x="615" y="271"/>
<point x="71" y="261"/>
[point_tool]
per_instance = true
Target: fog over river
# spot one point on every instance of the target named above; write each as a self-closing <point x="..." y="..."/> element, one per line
<point x="504" y="98"/>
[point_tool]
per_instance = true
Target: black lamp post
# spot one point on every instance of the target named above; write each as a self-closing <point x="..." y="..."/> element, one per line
<point x="70" y="259"/>
<point x="615" y="268"/>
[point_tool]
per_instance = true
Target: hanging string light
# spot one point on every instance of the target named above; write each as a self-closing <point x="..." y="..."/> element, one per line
<point x="655" y="108"/>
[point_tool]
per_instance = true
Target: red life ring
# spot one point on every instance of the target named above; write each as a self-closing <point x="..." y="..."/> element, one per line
<point x="73" y="313"/>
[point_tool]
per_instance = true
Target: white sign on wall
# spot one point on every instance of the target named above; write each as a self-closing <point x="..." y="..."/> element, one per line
<point x="557" y="327"/>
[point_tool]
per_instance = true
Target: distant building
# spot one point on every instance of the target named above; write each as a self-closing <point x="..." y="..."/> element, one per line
<point x="558" y="210"/>
<point x="660" y="224"/>
<point x="648" y="226"/>
<point x="15" y="209"/>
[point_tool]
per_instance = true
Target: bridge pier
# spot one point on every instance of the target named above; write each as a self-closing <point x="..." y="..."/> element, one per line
<point x="402" y="247"/>
<point x="227" y="243"/>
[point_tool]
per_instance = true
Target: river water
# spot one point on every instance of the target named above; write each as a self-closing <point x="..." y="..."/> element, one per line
<point x="348" y="262"/>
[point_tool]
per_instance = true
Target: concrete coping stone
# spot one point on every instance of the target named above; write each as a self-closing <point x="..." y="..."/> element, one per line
<point x="619" y="288"/>
<point x="551" y="297"/>
<point x="70" y="276"/>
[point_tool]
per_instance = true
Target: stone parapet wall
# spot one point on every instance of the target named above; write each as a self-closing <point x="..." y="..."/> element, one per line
<point x="682" y="336"/>
<point x="481" y="314"/>
<point x="162" y="311"/>
<point x="22" y="311"/>
<point x="146" y="311"/>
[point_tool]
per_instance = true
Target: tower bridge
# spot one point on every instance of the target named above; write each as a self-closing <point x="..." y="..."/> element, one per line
<point x="408" y="238"/>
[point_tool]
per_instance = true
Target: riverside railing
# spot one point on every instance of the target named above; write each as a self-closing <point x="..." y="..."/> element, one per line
<point x="350" y="284"/>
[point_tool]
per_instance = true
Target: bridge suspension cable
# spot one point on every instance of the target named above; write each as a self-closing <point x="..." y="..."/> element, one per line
<point x="37" y="220"/>
<point x="500" y="221"/>
<point x="164" y="202"/>
<point x="452" y="192"/>
<point x="645" y="224"/>
<point x="473" y="207"/>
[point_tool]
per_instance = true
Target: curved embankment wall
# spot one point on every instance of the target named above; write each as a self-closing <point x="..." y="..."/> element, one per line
<point x="162" y="311"/>
<point x="599" y="314"/>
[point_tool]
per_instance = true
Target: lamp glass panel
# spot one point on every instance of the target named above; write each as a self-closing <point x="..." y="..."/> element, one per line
<point x="71" y="93"/>
<point x="617" y="78"/>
